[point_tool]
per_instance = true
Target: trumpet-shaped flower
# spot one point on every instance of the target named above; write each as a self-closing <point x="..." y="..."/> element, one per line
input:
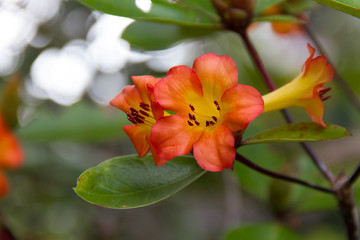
<point x="209" y="105"/>
<point x="305" y="90"/>
<point x="138" y="102"/>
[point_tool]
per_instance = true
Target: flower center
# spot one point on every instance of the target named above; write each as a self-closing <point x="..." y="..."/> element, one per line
<point x="141" y="115"/>
<point x="204" y="120"/>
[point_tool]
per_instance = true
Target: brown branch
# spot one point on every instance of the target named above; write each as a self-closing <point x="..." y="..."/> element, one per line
<point x="272" y="174"/>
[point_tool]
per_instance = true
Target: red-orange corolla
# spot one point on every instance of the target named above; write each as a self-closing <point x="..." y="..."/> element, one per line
<point x="209" y="105"/>
<point x="138" y="102"/>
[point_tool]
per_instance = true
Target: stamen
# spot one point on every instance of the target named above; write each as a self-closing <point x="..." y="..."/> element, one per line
<point x="207" y="123"/>
<point x="323" y="91"/>
<point x="135" y="114"/>
<point x="325" y="98"/>
<point x="133" y="109"/>
<point x="212" y="123"/>
<point x="130" y="118"/>
<point x="144" y="113"/>
<point x="197" y="123"/>
<point x="138" y="120"/>
<point x="193" y="117"/>
<point x="144" y="106"/>
<point x="192" y="107"/>
<point x="189" y="122"/>
<point x="217" y="105"/>
<point x="215" y="119"/>
<point x="190" y="116"/>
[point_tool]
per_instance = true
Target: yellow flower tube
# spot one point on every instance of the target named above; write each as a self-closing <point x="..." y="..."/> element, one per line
<point x="305" y="90"/>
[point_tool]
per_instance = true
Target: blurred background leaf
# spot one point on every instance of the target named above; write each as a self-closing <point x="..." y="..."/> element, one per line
<point x="149" y="36"/>
<point x="186" y="12"/>
<point x="270" y="231"/>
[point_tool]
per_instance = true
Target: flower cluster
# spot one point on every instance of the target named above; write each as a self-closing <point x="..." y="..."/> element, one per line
<point x="208" y="106"/>
<point x="11" y="155"/>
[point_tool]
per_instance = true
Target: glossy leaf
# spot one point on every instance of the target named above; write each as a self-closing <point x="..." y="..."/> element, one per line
<point x="186" y="12"/>
<point x="268" y="231"/>
<point x="155" y="35"/>
<point x="351" y="7"/>
<point x="278" y="18"/>
<point x="130" y="182"/>
<point x="299" y="132"/>
<point x="262" y="5"/>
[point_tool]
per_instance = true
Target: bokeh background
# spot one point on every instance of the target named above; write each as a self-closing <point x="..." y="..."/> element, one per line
<point x="70" y="61"/>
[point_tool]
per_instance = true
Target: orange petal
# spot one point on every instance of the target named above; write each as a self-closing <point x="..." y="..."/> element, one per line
<point x="315" y="109"/>
<point x="139" y="137"/>
<point x="4" y="186"/>
<point x="174" y="91"/>
<point x="141" y="84"/>
<point x="158" y="161"/>
<point x="172" y="136"/>
<point x="215" y="151"/>
<point x="241" y="104"/>
<point x="216" y="74"/>
<point x="129" y="96"/>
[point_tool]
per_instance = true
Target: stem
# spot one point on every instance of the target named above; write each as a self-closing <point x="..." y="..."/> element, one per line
<point x="354" y="176"/>
<point x="272" y="174"/>
<point x="271" y="85"/>
<point x="353" y="98"/>
<point x="346" y="204"/>
<point x="257" y="60"/>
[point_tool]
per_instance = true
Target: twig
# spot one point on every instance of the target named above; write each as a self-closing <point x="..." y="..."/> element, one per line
<point x="271" y="85"/>
<point x="354" y="176"/>
<point x="353" y="98"/>
<point x="272" y="174"/>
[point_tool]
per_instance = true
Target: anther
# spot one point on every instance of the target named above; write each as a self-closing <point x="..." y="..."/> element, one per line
<point x="323" y="91"/>
<point x="190" y="116"/>
<point x="197" y="123"/>
<point x="212" y="123"/>
<point x="144" y="113"/>
<point x="133" y="109"/>
<point x="130" y="118"/>
<point x="215" y="119"/>
<point x="207" y="123"/>
<point x="217" y="105"/>
<point x="193" y="117"/>
<point x="138" y="120"/>
<point x="134" y="114"/>
<point x="144" y="106"/>
<point x="325" y="98"/>
<point x="189" y="122"/>
<point x="192" y="107"/>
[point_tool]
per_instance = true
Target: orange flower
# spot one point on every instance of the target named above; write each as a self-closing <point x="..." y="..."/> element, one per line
<point x="11" y="155"/>
<point x="209" y="105"/>
<point x="305" y="90"/>
<point x="138" y="102"/>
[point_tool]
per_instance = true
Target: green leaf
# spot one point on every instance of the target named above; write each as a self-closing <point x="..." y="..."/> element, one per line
<point x="278" y="18"/>
<point x="351" y="7"/>
<point x="186" y="12"/>
<point x="268" y="231"/>
<point x="299" y="132"/>
<point x="262" y="5"/>
<point x="154" y="35"/>
<point x="130" y="182"/>
<point x="80" y="122"/>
